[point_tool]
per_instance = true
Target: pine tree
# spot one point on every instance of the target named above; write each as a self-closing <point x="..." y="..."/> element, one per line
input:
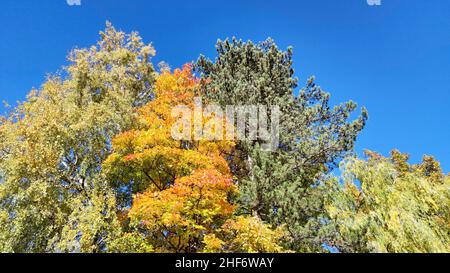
<point x="282" y="187"/>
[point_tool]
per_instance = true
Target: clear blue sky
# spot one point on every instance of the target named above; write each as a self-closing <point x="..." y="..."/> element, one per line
<point x="394" y="58"/>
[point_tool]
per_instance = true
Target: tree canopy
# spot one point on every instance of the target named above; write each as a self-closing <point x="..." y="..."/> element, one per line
<point x="92" y="162"/>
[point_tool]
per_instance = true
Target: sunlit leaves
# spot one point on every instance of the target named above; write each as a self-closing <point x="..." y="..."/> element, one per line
<point x="180" y="191"/>
<point x="387" y="205"/>
<point x="193" y="206"/>
<point x="53" y="144"/>
<point x="246" y="235"/>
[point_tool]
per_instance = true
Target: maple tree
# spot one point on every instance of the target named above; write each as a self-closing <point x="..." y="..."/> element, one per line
<point x="179" y="191"/>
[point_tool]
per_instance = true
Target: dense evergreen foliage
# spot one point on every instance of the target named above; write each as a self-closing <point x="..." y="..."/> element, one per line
<point x="282" y="187"/>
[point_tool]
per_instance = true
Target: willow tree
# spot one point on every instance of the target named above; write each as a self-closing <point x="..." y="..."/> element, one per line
<point x="282" y="186"/>
<point x="52" y="194"/>
<point x="388" y="205"/>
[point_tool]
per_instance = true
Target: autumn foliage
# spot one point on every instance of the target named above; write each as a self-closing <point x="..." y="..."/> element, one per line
<point x="182" y="191"/>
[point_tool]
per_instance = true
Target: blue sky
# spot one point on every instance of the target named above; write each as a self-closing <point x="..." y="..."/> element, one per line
<point x="394" y="59"/>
